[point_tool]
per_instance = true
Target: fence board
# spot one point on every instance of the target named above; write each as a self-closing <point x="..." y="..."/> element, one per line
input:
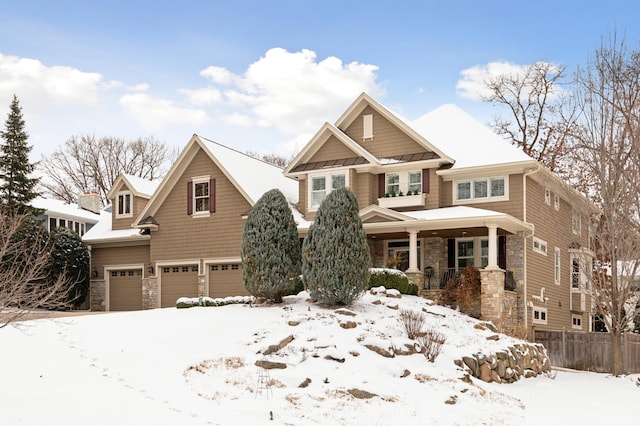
<point x="588" y="351"/>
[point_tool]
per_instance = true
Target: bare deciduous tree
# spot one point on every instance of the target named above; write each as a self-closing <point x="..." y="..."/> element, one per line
<point x="606" y="152"/>
<point x="86" y="163"/>
<point x="274" y="159"/>
<point x="24" y="270"/>
<point x="540" y="114"/>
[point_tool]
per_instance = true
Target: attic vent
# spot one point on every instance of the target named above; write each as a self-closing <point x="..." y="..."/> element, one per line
<point x="367" y="126"/>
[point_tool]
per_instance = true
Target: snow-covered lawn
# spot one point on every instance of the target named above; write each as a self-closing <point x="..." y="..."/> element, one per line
<point x="197" y="366"/>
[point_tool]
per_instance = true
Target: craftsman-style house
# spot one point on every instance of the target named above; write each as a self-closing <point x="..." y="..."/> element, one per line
<point x="435" y="195"/>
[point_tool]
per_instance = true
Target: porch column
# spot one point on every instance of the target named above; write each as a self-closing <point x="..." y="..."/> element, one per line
<point x="413" y="252"/>
<point x="493" y="247"/>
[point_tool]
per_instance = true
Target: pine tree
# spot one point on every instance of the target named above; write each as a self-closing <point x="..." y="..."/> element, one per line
<point x="335" y="254"/>
<point x="70" y="258"/>
<point x="270" y="248"/>
<point x="17" y="188"/>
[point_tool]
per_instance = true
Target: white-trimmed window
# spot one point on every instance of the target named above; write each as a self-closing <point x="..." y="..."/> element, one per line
<point x="556" y="266"/>
<point x="547" y="196"/>
<point x="124" y="204"/>
<point x="201" y="196"/>
<point x="321" y="185"/>
<point x="407" y="183"/>
<point x="576" y="321"/>
<point x="556" y="201"/>
<point x="77" y="227"/>
<point x="575" y="273"/>
<point x="539" y="315"/>
<point x="472" y="251"/>
<point x="483" y="189"/>
<point x="576" y="221"/>
<point x="539" y="246"/>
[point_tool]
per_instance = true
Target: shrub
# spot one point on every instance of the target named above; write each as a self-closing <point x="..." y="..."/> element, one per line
<point x="391" y="278"/>
<point x="463" y="290"/>
<point x="335" y="254"/>
<point x="70" y="256"/>
<point x="431" y="342"/>
<point x="271" y="256"/>
<point x="413" y="322"/>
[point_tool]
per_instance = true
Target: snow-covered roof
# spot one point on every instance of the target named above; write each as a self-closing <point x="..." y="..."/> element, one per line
<point x="142" y="186"/>
<point x="254" y="176"/>
<point x="102" y="232"/>
<point x="457" y="212"/>
<point x="469" y="142"/>
<point x="61" y="208"/>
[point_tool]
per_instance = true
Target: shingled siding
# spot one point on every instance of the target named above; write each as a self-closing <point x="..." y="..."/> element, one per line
<point x="182" y="236"/>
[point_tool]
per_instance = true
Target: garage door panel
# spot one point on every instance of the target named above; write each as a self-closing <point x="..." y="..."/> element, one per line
<point x="226" y="280"/>
<point x="125" y="290"/>
<point x="176" y="282"/>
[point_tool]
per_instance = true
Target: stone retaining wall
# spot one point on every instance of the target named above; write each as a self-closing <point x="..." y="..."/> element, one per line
<point x="508" y="366"/>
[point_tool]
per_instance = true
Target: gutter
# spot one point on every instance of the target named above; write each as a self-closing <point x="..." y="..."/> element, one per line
<point x="524" y="253"/>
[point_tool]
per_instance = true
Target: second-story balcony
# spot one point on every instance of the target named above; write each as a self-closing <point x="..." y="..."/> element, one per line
<point x="402" y="201"/>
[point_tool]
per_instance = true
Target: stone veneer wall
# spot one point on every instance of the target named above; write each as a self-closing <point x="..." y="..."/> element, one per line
<point x="515" y="263"/>
<point x="150" y="293"/>
<point x="97" y="300"/>
<point x="434" y="255"/>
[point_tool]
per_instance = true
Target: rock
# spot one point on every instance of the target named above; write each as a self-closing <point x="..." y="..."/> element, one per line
<point x="293" y="323"/>
<point x="407" y="348"/>
<point x="346" y="312"/>
<point x="387" y="353"/>
<point x="275" y="348"/>
<point x="392" y="292"/>
<point x="452" y="400"/>
<point x="472" y="363"/>
<point x="376" y="302"/>
<point x="333" y="358"/>
<point x="495" y="377"/>
<point x="393" y="306"/>
<point x="305" y="383"/>
<point x="406" y="373"/>
<point x="484" y="373"/>
<point x="348" y="324"/>
<point x="270" y="365"/>
<point x="361" y="394"/>
<point x="493" y="337"/>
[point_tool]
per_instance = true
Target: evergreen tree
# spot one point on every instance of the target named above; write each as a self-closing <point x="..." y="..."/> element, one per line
<point x="17" y="188"/>
<point x="335" y="254"/>
<point x="270" y="248"/>
<point x="70" y="256"/>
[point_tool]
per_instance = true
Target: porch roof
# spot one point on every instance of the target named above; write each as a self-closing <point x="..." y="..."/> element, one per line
<point x="439" y="219"/>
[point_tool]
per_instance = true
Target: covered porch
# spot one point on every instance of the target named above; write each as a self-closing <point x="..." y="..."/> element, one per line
<point x="433" y="246"/>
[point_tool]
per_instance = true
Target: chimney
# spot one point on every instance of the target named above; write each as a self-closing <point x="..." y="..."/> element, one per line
<point x="90" y="201"/>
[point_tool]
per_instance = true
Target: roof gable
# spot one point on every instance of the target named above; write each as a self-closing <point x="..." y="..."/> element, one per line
<point x="250" y="176"/>
<point x="140" y="187"/>
<point x="310" y="157"/>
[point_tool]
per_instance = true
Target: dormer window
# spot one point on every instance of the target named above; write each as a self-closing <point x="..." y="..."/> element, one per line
<point x="367" y="126"/>
<point x="124" y="204"/>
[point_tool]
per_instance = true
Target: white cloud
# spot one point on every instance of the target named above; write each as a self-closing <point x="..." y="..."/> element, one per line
<point x="38" y="84"/>
<point x="205" y="96"/>
<point x="472" y="85"/>
<point x="237" y="119"/>
<point x="292" y="91"/>
<point x="154" y="114"/>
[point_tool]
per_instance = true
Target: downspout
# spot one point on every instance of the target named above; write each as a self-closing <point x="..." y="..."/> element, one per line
<point x="524" y="253"/>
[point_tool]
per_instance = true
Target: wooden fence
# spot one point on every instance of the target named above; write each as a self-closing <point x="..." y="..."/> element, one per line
<point x="589" y="351"/>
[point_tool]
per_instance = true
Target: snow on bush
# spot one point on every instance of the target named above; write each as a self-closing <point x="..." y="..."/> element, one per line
<point x="189" y="302"/>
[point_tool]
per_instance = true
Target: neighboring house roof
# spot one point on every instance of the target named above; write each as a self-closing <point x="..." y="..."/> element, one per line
<point x="140" y="187"/>
<point x="63" y="209"/>
<point x="469" y="142"/>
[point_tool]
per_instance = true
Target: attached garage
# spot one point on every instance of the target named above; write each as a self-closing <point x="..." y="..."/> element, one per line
<point x="176" y="282"/>
<point x="226" y="280"/>
<point x="125" y="290"/>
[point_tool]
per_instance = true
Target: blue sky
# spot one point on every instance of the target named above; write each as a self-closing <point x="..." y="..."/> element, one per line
<point x="265" y="75"/>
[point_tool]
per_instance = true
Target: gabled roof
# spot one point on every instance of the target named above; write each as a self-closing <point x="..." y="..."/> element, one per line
<point x="376" y="211"/>
<point x="466" y="140"/>
<point x="361" y="155"/>
<point x="140" y="187"/>
<point x="251" y="177"/>
<point x="364" y="100"/>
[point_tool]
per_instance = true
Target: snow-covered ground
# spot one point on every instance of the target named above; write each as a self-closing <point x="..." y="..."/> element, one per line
<point x="197" y="366"/>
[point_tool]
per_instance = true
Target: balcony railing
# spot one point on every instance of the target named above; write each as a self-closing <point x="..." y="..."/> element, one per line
<point x="436" y="280"/>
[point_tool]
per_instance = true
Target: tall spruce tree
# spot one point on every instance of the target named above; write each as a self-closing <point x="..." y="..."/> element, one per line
<point x="335" y="254"/>
<point x="270" y="248"/>
<point x="17" y="187"/>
